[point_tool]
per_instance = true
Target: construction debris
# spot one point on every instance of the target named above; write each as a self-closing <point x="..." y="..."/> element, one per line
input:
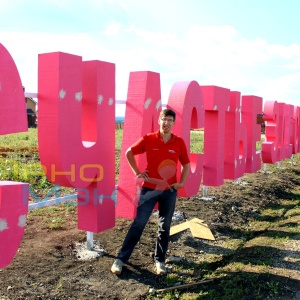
<point x="198" y="229"/>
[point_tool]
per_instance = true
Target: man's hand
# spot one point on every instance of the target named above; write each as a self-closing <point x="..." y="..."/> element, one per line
<point x="143" y="175"/>
<point x="177" y="185"/>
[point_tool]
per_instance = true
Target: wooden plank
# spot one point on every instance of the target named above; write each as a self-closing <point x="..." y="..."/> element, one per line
<point x="200" y="230"/>
<point x="178" y="228"/>
<point x="197" y="220"/>
<point x="183" y="286"/>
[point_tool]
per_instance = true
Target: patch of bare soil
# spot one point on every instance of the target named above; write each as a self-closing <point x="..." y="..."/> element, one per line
<point x="47" y="265"/>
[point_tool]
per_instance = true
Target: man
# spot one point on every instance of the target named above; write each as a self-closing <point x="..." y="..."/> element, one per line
<point x="163" y="150"/>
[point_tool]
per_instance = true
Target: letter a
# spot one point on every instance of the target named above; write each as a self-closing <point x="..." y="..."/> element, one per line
<point x="143" y="106"/>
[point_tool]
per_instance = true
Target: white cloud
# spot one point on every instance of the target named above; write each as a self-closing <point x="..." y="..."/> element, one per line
<point x="6" y="5"/>
<point x="113" y="29"/>
<point x="210" y="55"/>
<point x="282" y="89"/>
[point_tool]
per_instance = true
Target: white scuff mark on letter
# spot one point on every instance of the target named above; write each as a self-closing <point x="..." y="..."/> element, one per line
<point x="215" y="107"/>
<point x="110" y="101"/>
<point x="3" y="225"/>
<point x="158" y="105"/>
<point x="100" y="99"/>
<point x="22" y="221"/>
<point x="228" y="109"/>
<point x="0" y="86"/>
<point x="147" y="103"/>
<point x="78" y="96"/>
<point x="62" y="94"/>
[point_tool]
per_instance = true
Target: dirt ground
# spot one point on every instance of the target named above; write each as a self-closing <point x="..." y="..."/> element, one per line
<point x="47" y="265"/>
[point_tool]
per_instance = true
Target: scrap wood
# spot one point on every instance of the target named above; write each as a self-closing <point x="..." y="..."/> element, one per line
<point x="180" y="227"/>
<point x="183" y="286"/>
<point x="197" y="227"/>
<point x="200" y="230"/>
<point x="196" y="220"/>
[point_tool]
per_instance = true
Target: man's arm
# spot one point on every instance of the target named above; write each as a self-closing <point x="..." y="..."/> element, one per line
<point x="184" y="174"/>
<point x="133" y="165"/>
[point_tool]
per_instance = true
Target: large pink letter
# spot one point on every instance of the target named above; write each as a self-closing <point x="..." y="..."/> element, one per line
<point x="13" y="195"/>
<point x="77" y="132"/>
<point x="280" y="130"/>
<point x="187" y="101"/>
<point x="13" y="214"/>
<point x="251" y="107"/>
<point x="13" y="115"/>
<point x="143" y="106"/>
<point x="269" y="147"/>
<point x="235" y="154"/>
<point x="288" y="130"/>
<point x="216" y="104"/>
<point x="296" y="130"/>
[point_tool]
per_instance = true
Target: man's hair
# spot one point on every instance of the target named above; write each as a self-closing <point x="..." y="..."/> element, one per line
<point x="168" y="112"/>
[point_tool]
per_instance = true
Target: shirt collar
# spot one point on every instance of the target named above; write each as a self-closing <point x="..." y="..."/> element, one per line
<point x="174" y="136"/>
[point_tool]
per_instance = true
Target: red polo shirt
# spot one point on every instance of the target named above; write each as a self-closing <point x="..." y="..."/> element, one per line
<point x="162" y="158"/>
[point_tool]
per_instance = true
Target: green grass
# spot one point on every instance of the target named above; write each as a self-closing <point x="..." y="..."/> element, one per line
<point x="196" y="141"/>
<point x="19" y="141"/>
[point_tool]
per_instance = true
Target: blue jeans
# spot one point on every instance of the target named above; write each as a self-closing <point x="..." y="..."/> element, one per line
<point x="166" y="205"/>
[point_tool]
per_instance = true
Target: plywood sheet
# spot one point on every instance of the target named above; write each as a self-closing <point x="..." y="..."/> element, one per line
<point x="200" y="230"/>
<point x="197" y="220"/>
<point x="180" y="227"/>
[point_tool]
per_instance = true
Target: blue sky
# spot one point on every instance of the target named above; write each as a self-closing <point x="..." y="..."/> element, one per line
<point x="247" y="46"/>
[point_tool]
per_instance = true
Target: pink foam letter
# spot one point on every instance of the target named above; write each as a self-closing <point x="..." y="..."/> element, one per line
<point x="216" y="104"/>
<point x="288" y="130"/>
<point x="13" y="214"/>
<point x="296" y="130"/>
<point x="13" y="195"/>
<point x="187" y="101"/>
<point x="280" y="131"/>
<point x="77" y="132"/>
<point x="143" y="106"/>
<point x="13" y="105"/>
<point x="269" y="147"/>
<point x="251" y="107"/>
<point x="235" y="154"/>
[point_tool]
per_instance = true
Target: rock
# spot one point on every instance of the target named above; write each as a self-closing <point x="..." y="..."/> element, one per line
<point x="234" y="208"/>
<point x="209" y="199"/>
<point x="197" y="274"/>
<point x="178" y="216"/>
<point x="174" y="259"/>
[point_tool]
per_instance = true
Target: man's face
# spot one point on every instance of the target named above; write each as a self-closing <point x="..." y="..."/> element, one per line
<point x="166" y="123"/>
